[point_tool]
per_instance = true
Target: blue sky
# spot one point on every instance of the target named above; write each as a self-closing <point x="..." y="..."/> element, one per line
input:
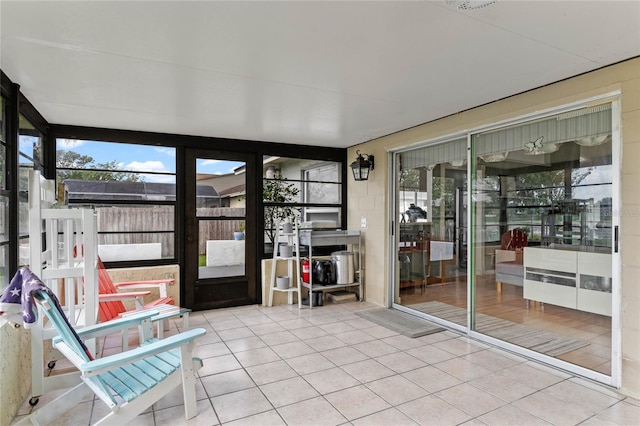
<point x="141" y="158"/>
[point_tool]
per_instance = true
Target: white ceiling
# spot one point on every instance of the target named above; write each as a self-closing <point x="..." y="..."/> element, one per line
<point x="329" y="73"/>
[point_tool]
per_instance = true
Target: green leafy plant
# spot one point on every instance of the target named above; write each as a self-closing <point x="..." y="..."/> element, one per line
<point x="279" y="192"/>
<point x="88" y="169"/>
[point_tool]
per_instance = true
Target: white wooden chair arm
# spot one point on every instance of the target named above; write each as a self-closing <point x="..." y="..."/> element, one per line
<point x="161" y="285"/>
<point x="108" y="363"/>
<point x="133" y="295"/>
<point x="145" y="283"/>
<point x="136" y="296"/>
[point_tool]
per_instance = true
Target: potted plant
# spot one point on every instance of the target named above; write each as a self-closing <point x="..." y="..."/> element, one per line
<point x="239" y="234"/>
<point x="279" y="192"/>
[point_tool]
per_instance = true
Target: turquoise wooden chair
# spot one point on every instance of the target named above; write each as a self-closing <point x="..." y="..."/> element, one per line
<point x="127" y="382"/>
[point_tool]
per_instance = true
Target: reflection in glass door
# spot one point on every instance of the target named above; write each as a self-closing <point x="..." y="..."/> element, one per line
<point x="431" y="243"/>
<point x="219" y="264"/>
<point x="543" y="235"/>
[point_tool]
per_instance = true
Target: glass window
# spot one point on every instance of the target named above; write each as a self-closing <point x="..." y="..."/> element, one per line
<point x="4" y="198"/>
<point x="131" y="187"/>
<point x="322" y="184"/>
<point x="30" y="152"/>
<point x="4" y="241"/>
<point x="29" y="158"/>
<point x="308" y="191"/>
<point x="148" y="229"/>
<point x="3" y="144"/>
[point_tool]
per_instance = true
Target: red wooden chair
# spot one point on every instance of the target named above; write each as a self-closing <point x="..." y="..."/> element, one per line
<point x="111" y="305"/>
<point x="513" y="240"/>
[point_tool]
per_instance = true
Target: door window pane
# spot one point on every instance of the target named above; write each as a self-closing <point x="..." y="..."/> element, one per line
<point x="220" y="253"/>
<point x="220" y="212"/>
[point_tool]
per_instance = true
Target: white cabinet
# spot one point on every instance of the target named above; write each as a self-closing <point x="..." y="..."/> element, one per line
<point x="570" y="278"/>
<point x="312" y="239"/>
<point x="594" y="283"/>
<point x="289" y="253"/>
<point x="550" y="276"/>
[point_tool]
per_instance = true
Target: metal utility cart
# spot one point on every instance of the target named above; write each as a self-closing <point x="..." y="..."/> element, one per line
<point x="311" y="239"/>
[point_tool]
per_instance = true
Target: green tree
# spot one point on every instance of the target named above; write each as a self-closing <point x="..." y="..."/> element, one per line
<point x="410" y="179"/>
<point x="87" y="169"/>
<point x="545" y="188"/>
<point x="280" y="192"/>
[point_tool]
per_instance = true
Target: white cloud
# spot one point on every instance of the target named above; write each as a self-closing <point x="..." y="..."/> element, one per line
<point x="151" y="166"/>
<point x="209" y="162"/>
<point x="171" y="152"/>
<point x="69" y="143"/>
<point x="146" y="166"/>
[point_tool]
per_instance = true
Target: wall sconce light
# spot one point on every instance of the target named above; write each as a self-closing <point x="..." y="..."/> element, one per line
<point x="361" y="166"/>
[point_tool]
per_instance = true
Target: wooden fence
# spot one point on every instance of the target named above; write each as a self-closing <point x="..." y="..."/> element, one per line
<point x="136" y="225"/>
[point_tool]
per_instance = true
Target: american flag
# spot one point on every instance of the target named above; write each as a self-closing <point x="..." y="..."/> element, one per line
<point x="11" y="300"/>
<point x="18" y="297"/>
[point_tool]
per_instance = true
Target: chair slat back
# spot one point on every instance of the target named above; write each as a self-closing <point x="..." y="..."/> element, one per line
<point x="107" y="310"/>
<point x="514" y="239"/>
<point x="61" y="324"/>
<point x="69" y="336"/>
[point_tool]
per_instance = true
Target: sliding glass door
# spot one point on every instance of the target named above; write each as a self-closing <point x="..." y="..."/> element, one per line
<point x="518" y="247"/>
<point x="431" y="242"/>
<point x="543" y="236"/>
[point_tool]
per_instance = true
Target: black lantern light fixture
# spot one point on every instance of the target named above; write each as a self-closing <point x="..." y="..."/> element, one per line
<point x="361" y="166"/>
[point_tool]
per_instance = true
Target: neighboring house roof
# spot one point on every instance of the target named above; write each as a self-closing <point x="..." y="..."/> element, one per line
<point x="76" y="190"/>
<point x="222" y="183"/>
<point x="233" y="191"/>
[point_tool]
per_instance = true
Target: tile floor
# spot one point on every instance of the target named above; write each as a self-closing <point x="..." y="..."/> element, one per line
<point x="327" y="366"/>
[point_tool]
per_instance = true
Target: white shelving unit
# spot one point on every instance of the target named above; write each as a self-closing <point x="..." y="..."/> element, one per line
<point x="348" y="238"/>
<point x="292" y="260"/>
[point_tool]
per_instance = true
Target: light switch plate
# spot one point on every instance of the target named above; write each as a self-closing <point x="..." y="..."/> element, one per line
<point x="363" y="222"/>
